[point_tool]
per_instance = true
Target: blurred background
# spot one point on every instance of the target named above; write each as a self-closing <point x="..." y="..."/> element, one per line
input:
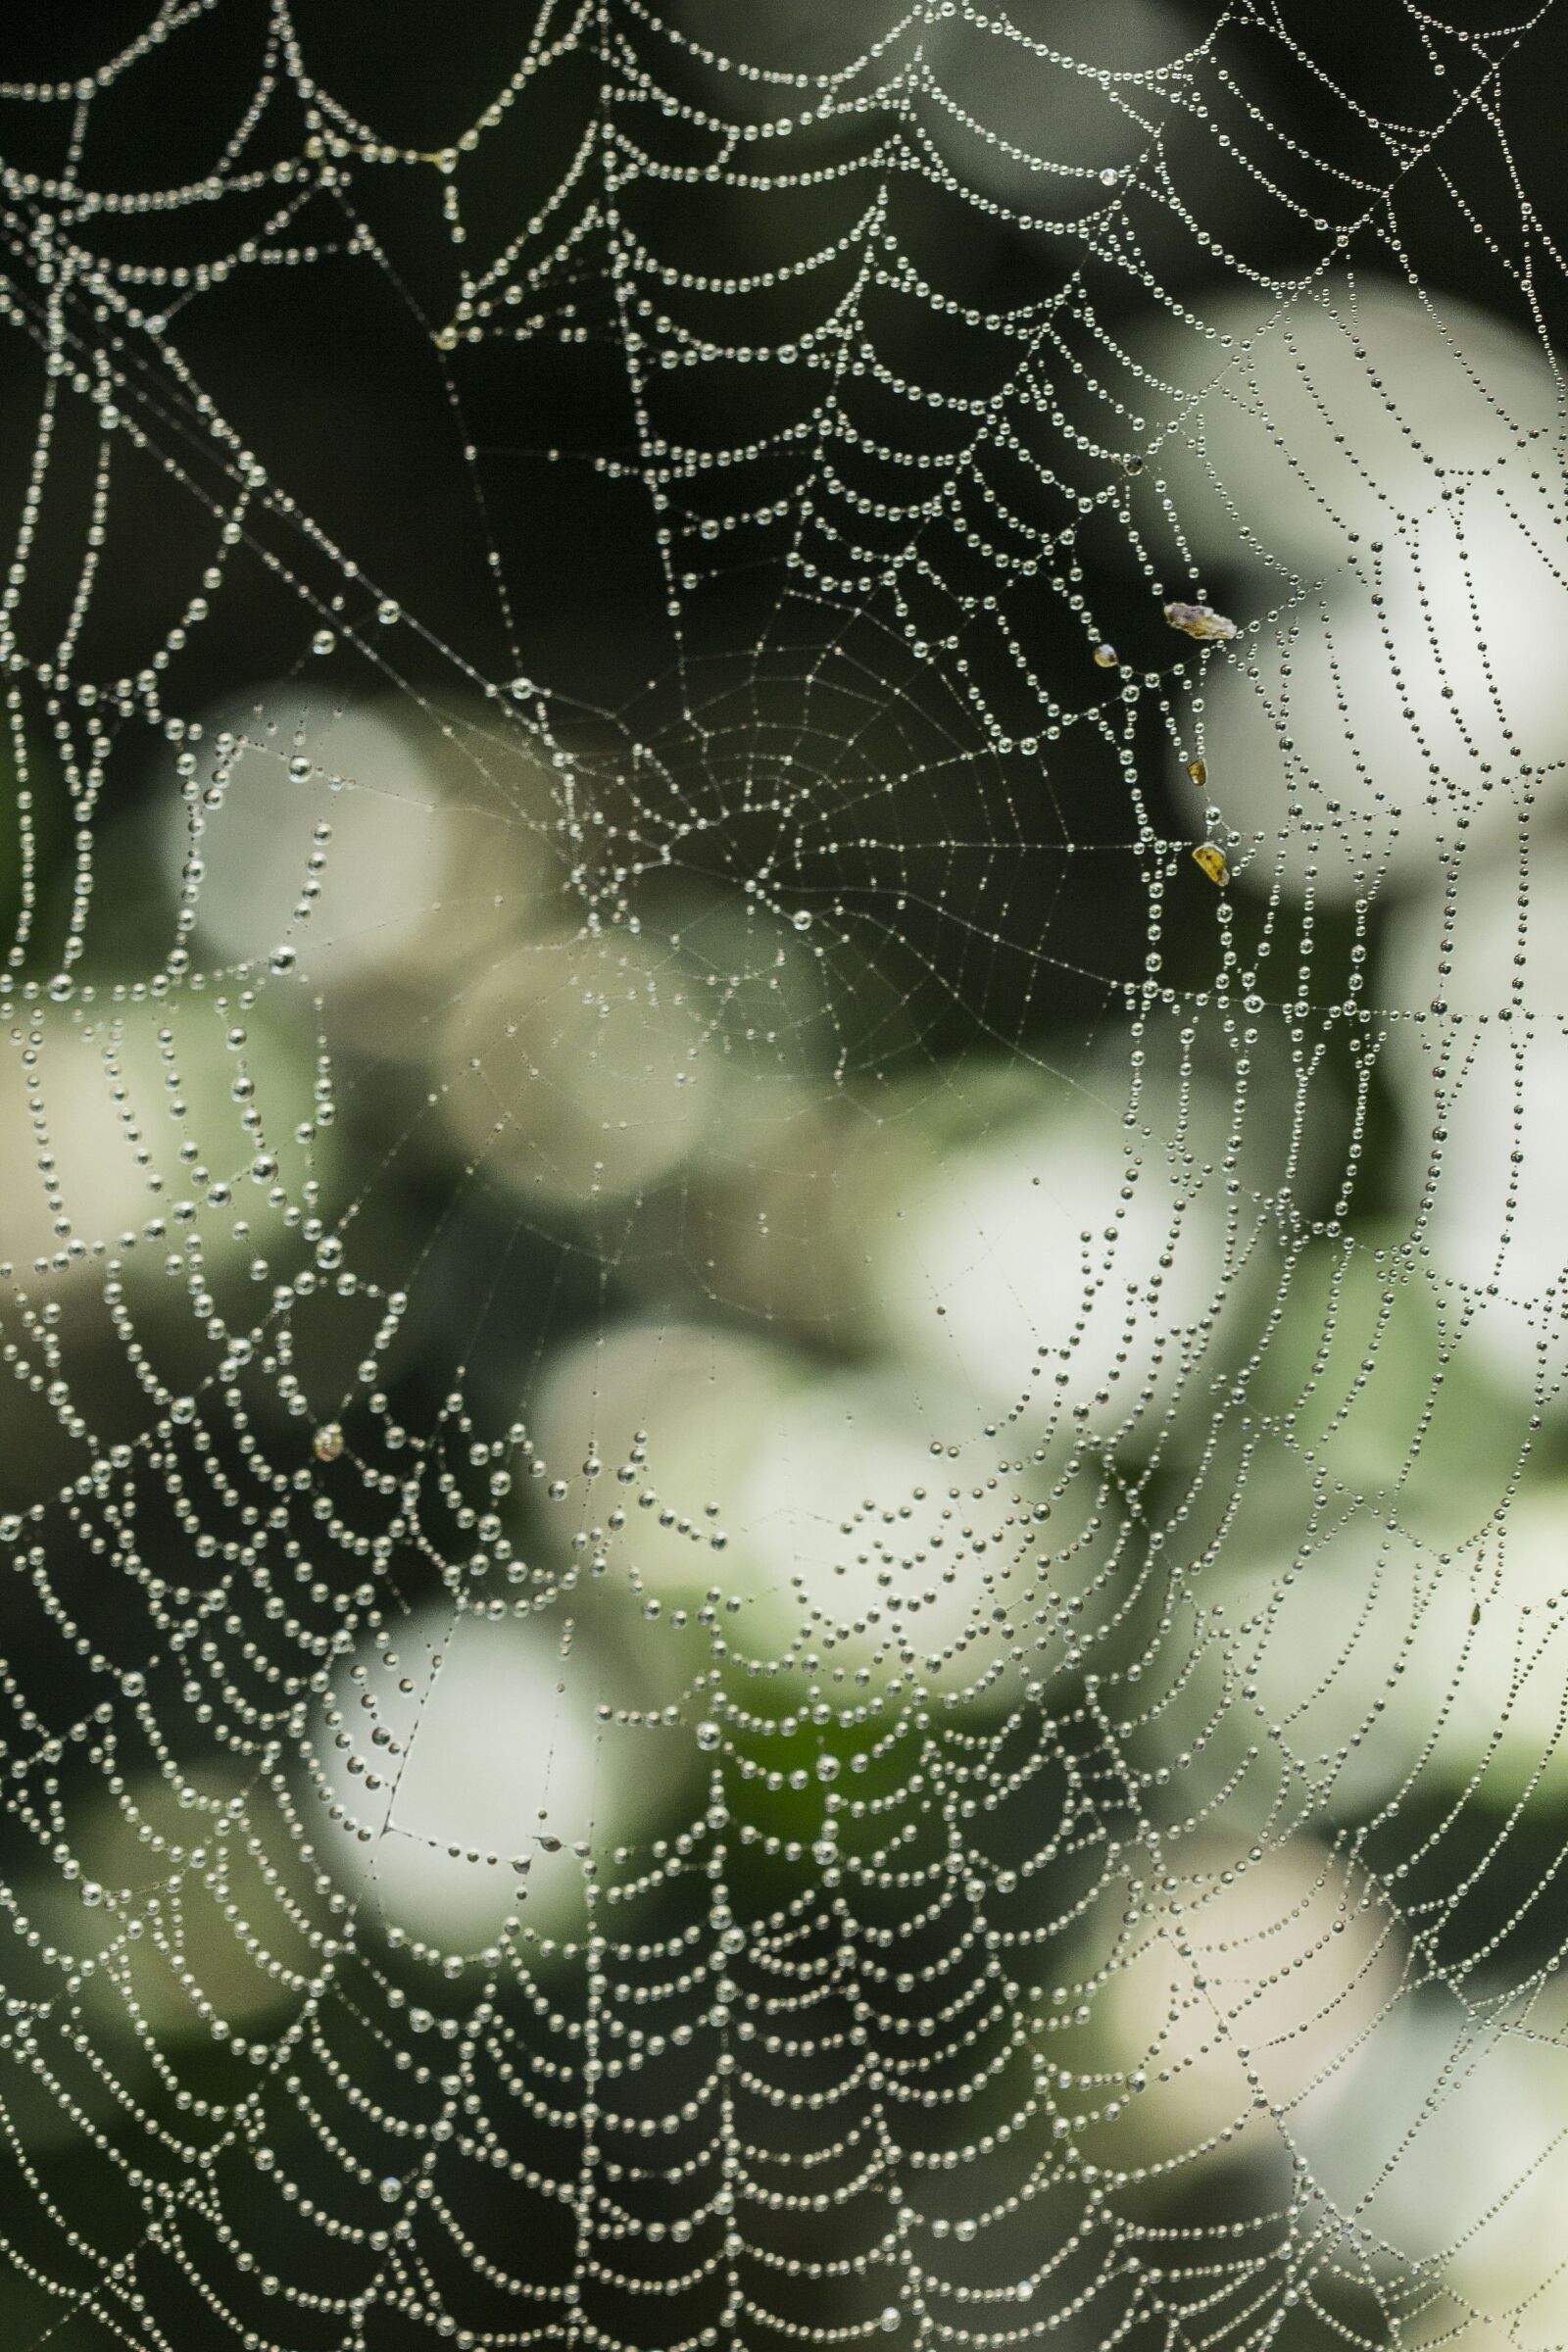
<point x="784" y="1530"/>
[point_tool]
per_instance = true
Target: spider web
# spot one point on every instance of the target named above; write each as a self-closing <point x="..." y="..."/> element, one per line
<point x="783" y="1490"/>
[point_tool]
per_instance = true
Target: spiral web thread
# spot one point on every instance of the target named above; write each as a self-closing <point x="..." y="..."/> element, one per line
<point x="967" y="1402"/>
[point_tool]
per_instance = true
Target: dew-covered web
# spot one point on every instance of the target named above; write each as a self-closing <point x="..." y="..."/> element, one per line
<point x="784" y="1493"/>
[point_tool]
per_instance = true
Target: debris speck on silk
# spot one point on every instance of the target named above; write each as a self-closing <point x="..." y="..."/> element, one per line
<point x="1201" y="622"/>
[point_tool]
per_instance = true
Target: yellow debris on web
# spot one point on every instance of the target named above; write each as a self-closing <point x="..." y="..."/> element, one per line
<point x="1212" y="861"/>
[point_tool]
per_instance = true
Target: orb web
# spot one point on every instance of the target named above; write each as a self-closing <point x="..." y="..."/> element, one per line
<point x="784" y="1479"/>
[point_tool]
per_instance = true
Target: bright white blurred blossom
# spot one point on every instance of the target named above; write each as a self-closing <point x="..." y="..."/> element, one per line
<point x="1362" y="1633"/>
<point x="1483" y="1084"/>
<point x="1452" y="2161"/>
<point x="682" y="1410"/>
<point x="1379" y="464"/>
<point x="1058" y="1242"/>
<point x="1245" y="1983"/>
<point x="1337" y="403"/>
<point x="121" y="1151"/>
<point x="329" y="833"/>
<point x="469" y="1733"/>
<point x="847" y="1520"/>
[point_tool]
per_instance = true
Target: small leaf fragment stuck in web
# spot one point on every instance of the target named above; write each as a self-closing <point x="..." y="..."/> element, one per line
<point x="1200" y="622"/>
